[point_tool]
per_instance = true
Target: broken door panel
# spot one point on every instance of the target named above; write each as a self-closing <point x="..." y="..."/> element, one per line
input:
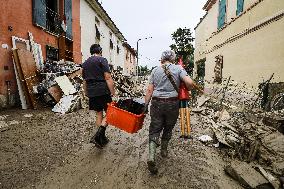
<point x="28" y="67"/>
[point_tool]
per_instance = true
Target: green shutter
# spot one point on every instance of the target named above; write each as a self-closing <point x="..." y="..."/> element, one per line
<point x="222" y="13"/>
<point x="39" y="13"/>
<point x="68" y="15"/>
<point x="240" y="6"/>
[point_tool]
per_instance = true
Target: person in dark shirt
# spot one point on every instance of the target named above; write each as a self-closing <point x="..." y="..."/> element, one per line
<point x="99" y="87"/>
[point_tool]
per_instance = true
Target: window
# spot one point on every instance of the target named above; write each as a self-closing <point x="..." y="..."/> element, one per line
<point x="222" y="13"/>
<point x="117" y="49"/>
<point x="218" y="69"/>
<point x="97" y="20"/>
<point x="240" y="7"/>
<point x="200" y="65"/>
<point x="46" y="15"/>
<point x="98" y="34"/>
<point x="51" y="53"/>
<point x="52" y="16"/>
<point x="110" y="44"/>
<point x="127" y="55"/>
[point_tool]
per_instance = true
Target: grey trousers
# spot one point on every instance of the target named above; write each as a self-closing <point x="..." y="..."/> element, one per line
<point x="163" y="118"/>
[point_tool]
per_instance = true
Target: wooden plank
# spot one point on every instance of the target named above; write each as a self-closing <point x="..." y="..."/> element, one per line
<point x="20" y="82"/>
<point x="65" y="85"/>
<point x="55" y="92"/>
<point x="19" y="43"/>
<point x="29" y="70"/>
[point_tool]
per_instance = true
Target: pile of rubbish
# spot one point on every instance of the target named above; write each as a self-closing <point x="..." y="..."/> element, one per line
<point x="59" y="84"/>
<point x="252" y="138"/>
<point x="265" y="96"/>
<point x="62" y="86"/>
<point x="127" y="86"/>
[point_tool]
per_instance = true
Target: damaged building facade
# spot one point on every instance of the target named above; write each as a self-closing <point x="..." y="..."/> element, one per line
<point x="242" y="39"/>
<point x="54" y="26"/>
<point x="129" y="60"/>
<point x="98" y="27"/>
<point x="55" y="32"/>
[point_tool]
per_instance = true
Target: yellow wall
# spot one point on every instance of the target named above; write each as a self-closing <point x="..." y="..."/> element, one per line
<point x="252" y="57"/>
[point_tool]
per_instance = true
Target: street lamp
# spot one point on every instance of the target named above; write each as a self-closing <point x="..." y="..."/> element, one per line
<point x="137" y="47"/>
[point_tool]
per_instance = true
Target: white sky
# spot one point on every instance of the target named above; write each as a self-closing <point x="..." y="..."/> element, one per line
<point x="156" y="18"/>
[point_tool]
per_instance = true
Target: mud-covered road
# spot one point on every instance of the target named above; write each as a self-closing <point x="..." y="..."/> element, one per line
<point x="47" y="150"/>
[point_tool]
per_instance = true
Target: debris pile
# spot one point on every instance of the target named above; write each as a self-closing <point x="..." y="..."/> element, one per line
<point x="127" y="86"/>
<point x="268" y="96"/>
<point x="247" y="135"/>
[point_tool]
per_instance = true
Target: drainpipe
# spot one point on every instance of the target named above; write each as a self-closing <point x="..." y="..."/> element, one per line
<point x="8" y="83"/>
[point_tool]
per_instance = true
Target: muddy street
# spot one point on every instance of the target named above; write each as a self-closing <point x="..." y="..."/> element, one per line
<point x="41" y="149"/>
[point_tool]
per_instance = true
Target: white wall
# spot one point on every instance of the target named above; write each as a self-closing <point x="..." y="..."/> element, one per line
<point x="88" y="36"/>
<point x="251" y="58"/>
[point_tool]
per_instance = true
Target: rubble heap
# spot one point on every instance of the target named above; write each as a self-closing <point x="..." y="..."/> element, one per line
<point x="246" y="135"/>
<point x="128" y="86"/>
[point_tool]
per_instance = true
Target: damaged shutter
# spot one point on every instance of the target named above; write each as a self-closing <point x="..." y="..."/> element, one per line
<point x="98" y="35"/>
<point x="68" y="15"/>
<point x="39" y="13"/>
<point x="222" y="13"/>
<point x="240" y="6"/>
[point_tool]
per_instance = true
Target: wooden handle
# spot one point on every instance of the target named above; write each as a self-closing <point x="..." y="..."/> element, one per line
<point x="188" y="121"/>
<point x="182" y="121"/>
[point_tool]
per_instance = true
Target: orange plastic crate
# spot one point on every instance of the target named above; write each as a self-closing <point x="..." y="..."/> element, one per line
<point x="124" y="120"/>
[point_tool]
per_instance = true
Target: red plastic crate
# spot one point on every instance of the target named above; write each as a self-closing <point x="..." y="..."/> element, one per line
<point x="124" y="120"/>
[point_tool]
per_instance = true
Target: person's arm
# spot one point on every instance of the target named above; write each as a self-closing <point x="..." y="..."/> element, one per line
<point x="109" y="82"/>
<point x="149" y="93"/>
<point x="190" y="84"/>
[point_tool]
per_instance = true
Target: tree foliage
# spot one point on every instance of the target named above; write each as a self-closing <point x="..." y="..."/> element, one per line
<point x="183" y="47"/>
<point x="143" y="71"/>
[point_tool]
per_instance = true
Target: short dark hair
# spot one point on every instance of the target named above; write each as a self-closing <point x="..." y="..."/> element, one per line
<point x="95" y="49"/>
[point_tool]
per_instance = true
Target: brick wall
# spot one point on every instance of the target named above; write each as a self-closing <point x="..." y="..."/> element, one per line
<point x="17" y="15"/>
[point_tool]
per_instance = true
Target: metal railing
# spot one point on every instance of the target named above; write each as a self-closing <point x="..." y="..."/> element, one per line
<point x="53" y="23"/>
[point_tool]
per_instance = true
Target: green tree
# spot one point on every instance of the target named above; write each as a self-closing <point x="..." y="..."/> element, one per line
<point x="143" y="70"/>
<point x="183" y="47"/>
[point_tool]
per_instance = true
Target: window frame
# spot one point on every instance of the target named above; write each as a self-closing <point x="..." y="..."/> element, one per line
<point x="219" y="26"/>
<point x="239" y="11"/>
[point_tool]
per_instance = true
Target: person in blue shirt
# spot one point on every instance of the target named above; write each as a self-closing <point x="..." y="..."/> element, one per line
<point x="164" y="108"/>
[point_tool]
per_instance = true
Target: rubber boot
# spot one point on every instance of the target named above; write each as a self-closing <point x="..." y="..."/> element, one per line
<point x="97" y="138"/>
<point x="104" y="139"/>
<point x="164" y="148"/>
<point x="152" y="158"/>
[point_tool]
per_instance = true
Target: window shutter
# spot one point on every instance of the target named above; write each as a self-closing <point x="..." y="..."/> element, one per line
<point x="240" y="6"/>
<point x="39" y="13"/>
<point x="98" y="35"/>
<point x="68" y="15"/>
<point x="222" y="13"/>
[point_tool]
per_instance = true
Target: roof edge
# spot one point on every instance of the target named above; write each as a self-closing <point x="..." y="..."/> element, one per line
<point x="208" y="5"/>
<point x="96" y="5"/>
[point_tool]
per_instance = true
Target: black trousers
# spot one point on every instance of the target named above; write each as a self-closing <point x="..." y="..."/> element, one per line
<point x="164" y="116"/>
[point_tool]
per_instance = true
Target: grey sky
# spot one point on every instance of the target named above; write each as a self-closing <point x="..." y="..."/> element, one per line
<point x="156" y="18"/>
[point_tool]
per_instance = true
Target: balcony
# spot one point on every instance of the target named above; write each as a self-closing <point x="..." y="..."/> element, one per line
<point x="53" y="23"/>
